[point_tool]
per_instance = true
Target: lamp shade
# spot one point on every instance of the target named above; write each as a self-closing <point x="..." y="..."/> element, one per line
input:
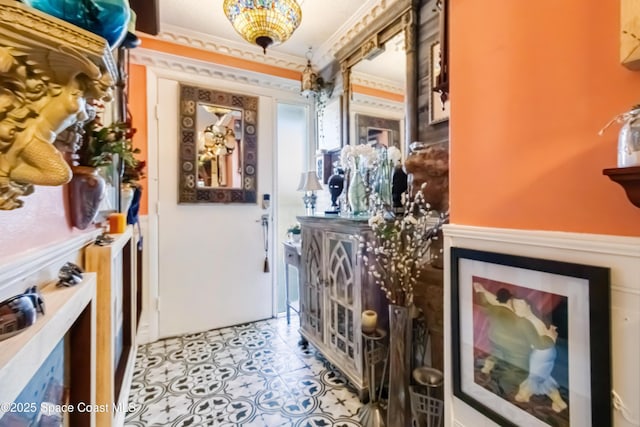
<point x="263" y="22"/>
<point x="309" y="182"/>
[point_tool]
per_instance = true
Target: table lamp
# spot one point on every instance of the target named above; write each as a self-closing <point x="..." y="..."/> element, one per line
<point x="309" y="184"/>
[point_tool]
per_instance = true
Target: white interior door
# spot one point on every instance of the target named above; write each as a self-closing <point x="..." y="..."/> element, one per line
<point x="210" y="268"/>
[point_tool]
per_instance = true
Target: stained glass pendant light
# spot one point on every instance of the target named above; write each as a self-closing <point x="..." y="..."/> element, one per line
<point x="263" y="22"/>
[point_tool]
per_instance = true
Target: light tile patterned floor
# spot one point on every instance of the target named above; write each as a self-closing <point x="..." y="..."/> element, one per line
<point x="252" y="375"/>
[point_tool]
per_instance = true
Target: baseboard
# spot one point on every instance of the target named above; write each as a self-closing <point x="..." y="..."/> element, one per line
<point x="143" y="332"/>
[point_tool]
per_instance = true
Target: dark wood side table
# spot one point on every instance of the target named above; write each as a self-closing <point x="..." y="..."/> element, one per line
<point x="292" y="252"/>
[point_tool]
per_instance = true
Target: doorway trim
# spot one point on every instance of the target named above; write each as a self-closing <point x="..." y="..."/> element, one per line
<point x="224" y="78"/>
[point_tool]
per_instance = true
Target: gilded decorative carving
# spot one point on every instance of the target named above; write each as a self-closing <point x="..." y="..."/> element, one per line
<point x="371" y="48"/>
<point x="47" y="69"/>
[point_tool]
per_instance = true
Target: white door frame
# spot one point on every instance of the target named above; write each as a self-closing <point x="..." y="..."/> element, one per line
<point x="202" y="75"/>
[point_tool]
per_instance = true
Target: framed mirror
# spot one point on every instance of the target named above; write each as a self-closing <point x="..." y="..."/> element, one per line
<point x="218" y="146"/>
<point x="378" y="50"/>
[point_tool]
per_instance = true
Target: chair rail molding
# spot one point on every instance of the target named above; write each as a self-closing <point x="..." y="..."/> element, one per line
<point x="45" y="260"/>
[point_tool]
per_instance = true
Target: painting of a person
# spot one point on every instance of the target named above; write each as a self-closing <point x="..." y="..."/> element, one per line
<point x="522" y="340"/>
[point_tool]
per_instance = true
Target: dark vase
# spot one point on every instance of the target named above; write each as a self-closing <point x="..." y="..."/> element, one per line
<point x="106" y="18"/>
<point x="398" y="186"/>
<point x="86" y="191"/>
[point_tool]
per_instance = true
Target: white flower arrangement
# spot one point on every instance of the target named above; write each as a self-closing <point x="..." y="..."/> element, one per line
<point x="398" y="249"/>
<point x="395" y="156"/>
<point x="362" y="155"/>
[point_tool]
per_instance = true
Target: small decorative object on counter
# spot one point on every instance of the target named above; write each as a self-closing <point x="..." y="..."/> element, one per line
<point x="117" y="223"/>
<point x="104" y="239"/>
<point x="383" y="178"/>
<point x="429" y="163"/>
<point x="69" y="275"/>
<point x="336" y="185"/>
<point x="628" y="138"/>
<point x="20" y="312"/>
<point x="294" y="232"/>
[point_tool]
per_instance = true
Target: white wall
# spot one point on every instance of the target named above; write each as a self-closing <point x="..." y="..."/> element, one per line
<point x="620" y="254"/>
<point x="291" y="135"/>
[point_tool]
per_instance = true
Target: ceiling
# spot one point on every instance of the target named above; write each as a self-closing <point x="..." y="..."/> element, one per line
<point x="323" y="23"/>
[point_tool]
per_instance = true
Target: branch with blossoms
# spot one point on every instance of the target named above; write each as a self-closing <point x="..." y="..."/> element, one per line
<point x="398" y="249"/>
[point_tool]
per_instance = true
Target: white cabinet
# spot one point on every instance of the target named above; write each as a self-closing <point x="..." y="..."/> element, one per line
<point x="334" y="290"/>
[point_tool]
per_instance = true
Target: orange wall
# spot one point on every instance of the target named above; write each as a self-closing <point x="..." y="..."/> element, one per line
<point x="529" y="92"/>
<point x="138" y="110"/>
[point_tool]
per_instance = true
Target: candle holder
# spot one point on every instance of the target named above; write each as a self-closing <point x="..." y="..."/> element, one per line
<point x="376" y="352"/>
<point x="425" y="409"/>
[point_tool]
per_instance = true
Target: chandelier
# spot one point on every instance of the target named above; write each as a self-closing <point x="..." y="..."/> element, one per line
<point x="263" y="22"/>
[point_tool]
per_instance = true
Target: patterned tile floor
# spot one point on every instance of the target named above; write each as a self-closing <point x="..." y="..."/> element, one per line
<point x="252" y="375"/>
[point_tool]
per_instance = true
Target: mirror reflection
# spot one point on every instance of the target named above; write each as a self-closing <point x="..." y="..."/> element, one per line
<point x="383" y="107"/>
<point x="388" y="66"/>
<point x="378" y="138"/>
<point x="219" y="146"/>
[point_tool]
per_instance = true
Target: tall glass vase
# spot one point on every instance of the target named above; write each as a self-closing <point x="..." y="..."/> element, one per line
<point x="357" y="193"/>
<point x="399" y="407"/>
<point x="383" y="184"/>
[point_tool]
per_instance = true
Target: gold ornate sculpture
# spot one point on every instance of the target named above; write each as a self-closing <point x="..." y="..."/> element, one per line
<point x="47" y="69"/>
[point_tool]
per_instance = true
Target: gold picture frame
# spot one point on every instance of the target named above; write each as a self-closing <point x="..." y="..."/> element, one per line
<point x="438" y="112"/>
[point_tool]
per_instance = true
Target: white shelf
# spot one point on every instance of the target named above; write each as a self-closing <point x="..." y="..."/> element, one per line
<point x="23" y="354"/>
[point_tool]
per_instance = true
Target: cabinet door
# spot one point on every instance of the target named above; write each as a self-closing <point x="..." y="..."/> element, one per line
<point x="311" y="291"/>
<point x="342" y="299"/>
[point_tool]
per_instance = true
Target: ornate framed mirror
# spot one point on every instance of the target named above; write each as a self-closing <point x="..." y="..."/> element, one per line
<point x="218" y="146"/>
<point x="398" y="22"/>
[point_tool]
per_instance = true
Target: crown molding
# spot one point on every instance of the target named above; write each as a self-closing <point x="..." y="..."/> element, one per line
<point x="211" y="43"/>
<point x="378" y="103"/>
<point x="152" y="58"/>
<point x="358" y="22"/>
<point x="377" y="83"/>
<point x="324" y="55"/>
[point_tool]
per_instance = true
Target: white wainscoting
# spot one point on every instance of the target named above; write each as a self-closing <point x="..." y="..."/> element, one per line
<point x="620" y="254"/>
<point x="41" y="265"/>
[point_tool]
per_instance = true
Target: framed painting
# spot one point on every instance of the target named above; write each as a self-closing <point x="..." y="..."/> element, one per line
<point x="438" y="111"/>
<point x="531" y="339"/>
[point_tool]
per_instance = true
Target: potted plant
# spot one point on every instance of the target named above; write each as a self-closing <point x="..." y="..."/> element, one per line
<point x="294" y="232"/>
<point x="102" y="148"/>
